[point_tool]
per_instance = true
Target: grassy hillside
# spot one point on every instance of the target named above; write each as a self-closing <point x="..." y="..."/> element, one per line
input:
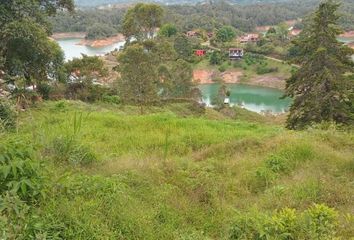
<point x="109" y="173"/>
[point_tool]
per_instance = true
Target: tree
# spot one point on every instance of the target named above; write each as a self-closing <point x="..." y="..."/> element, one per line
<point x="29" y="54"/>
<point x="99" y="31"/>
<point x="26" y="52"/>
<point x="223" y="93"/>
<point x="141" y="21"/>
<point x="168" y="30"/>
<point x="182" y="75"/>
<point x="282" y="32"/>
<point x="86" y="69"/>
<point x="137" y="83"/>
<point x="183" y="47"/>
<point x="225" y="34"/>
<point x="215" y="58"/>
<point x="320" y="88"/>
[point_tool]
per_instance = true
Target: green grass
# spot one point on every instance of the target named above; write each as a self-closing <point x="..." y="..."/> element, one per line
<point x="171" y="174"/>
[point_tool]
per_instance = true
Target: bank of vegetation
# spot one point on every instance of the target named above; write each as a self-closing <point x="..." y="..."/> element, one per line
<point x="140" y="157"/>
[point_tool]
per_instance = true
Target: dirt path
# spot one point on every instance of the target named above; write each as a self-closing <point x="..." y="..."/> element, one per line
<point x="281" y="61"/>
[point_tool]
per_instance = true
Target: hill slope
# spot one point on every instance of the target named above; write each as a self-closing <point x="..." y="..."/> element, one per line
<point x="112" y="174"/>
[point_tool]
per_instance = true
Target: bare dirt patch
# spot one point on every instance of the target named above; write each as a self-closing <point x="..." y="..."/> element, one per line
<point x="102" y="42"/>
<point x="231" y="76"/>
<point x="205" y="76"/>
<point x="349" y="34"/>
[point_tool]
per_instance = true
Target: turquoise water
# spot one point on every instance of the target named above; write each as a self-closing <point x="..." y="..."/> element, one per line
<point x="253" y="98"/>
<point x="72" y="50"/>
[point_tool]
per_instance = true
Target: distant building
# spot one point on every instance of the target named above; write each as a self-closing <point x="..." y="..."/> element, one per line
<point x="294" y="32"/>
<point x="235" y="53"/>
<point x="249" y="38"/>
<point x="227" y="101"/>
<point x="200" y="52"/>
<point x="192" y="34"/>
<point x="210" y="34"/>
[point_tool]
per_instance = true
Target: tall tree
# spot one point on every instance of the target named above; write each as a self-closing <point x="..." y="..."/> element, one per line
<point x="138" y="79"/>
<point x="183" y="47"/>
<point x="320" y="88"/>
<point x="25" y="50"/>
<point x="141" y="21"/>
<point x="183" y="78"/>
<point x="168" y="30"/>
<point x="225" y="34"/>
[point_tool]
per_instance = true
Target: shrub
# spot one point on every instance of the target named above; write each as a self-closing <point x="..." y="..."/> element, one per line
<point x="321" y="222"/>
<point x="222" y="68"/>
<point x="7" y="116"/>
<point x="284" y="224"/>
<point x="263" y="69"/>
<point x="318" y="222"/>
<point x="19" y="174"/>
<point x="114" y="99"/>
<point x="44" y="90"/>
<point x="68" y="149"/>
<point x="276" y="163"/>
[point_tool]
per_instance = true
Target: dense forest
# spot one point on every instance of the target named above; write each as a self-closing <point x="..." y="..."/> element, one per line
<point x="207" y="16"/>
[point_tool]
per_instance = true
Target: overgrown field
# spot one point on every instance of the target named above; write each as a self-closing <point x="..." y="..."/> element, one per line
<point x="105" y="172"/>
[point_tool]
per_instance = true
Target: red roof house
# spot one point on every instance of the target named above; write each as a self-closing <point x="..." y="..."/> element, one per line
<point x="200" y="52"/>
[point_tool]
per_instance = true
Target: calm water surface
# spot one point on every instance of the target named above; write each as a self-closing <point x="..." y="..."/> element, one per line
<point x="254" y="98"/>
<point x="72" y="50"/>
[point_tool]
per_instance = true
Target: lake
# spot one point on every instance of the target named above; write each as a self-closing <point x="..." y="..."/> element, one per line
<point x="72" y="50"/>
<point x="254" y="98"/>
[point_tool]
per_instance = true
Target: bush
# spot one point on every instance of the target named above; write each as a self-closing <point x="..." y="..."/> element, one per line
<point x="114" y="99"/>
<point x="19" y="174"/>
<point x="263" y="69"/>
<point x="69" y="150"/>
<point x="222" y="68"/>
<point x="7" y="116"/>
<point x="44" y="90"/>
<point x="318" y="222"/>
<point x="322" y="222"/>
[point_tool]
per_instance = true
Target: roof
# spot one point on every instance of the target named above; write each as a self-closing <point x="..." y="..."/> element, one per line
<point x="235" y="49"/>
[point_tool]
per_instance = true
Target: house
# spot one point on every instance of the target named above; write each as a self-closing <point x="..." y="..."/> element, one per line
<point x="235" y="53"/>
<point x="200" y="52"/>
<point x="210" y="34"/>
<point x="192" y="34"/>
<point x="249" y="38"/>
<point x="294" y="32"/>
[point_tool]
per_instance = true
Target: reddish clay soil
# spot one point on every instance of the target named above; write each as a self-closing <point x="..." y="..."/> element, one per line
<point x="231" y="76"/>
<point x="204" y="76"/>
<point x="349" y="34"/>
<point x="102" y="42"/>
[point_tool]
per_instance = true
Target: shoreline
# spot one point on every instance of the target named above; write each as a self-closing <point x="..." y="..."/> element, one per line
<point x="95" y="43"/>
<point x="65" y="35"/>
<point x="98" y="43"/>
<point x="205" y="76"/>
